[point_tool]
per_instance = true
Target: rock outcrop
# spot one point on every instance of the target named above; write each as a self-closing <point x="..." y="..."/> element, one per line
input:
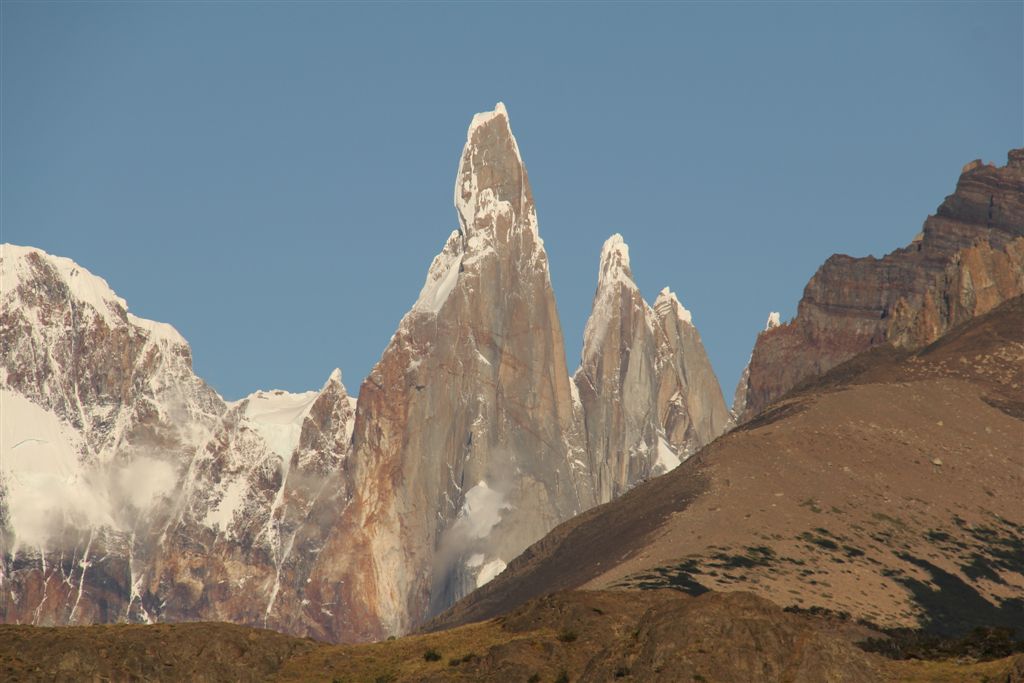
<point x="132" y="490"/>
<point x="617" y="380"/>
<point x="691" y="408"/>
<point x="649" y="396"/>
<point x="739" y="399"/>
<point x="467" y="444"/>
<point x="967" y="260"/>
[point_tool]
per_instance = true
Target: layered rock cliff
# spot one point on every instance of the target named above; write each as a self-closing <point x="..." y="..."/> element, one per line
<point x="648" y="393"/>
<point x="967" y="260"/>
<point x="739" y="399"/>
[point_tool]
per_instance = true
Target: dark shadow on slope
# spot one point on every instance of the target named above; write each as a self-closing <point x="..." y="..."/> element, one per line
<point x="771" y="415"/>
<point x="953" y="608"/>
<point x="1012" y="408"/>
<point x="677" y="577"/>
<point x="981" y="644"/>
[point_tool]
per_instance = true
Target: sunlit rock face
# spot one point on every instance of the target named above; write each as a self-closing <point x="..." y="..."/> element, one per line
<point x="967" y="260"/>
<point x="739" y="399"/>
<point x="468" y="442"/>
<point x="650" y="398"/>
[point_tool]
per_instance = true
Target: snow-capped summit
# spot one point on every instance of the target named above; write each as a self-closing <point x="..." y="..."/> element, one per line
<point x="491" y="182"/>
<point x="668" y="301"/>
<point x="614" y="281"/>
<point x="495" y="210"/>
<point x="649" y="397"/>
<point x="614" y="263"/>
<point x="24" y="269"/>
<point x="116" y="455"/>
<point x="76" y="350"/>
<point x="443" y="408"/>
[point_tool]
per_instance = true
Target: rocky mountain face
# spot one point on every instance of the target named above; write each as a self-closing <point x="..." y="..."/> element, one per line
<point x="467" y="443"/>
<point x="967" y="260"/>
<point x="130" y="490"/>
<point x="739" y="400"/>
<point x="649" y="396"/>
<point x="887" y="490"/>
<point x="690" y="404"/>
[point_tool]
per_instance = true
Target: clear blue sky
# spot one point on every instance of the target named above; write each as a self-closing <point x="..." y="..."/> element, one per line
<point x="274" y="179"/>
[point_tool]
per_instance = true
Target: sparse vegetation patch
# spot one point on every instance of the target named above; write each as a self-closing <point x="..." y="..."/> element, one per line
<point x="981" y="644"/>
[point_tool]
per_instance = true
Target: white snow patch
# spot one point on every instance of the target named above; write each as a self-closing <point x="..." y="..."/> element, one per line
<point x="574" y="393"/>
<point x="441" y="278"/>
<point x="277" y="416"/>
<point x="481" y="511"/>
<point x="774" y="320"/>
<point x="83" y="285"/>
<point x="668" y="299"/>
<point x="489" y="571"/>
<point x="221" y="515"/>
<point x="48" y="486"/>
<point x="486" y="116"/>
<point x="667" y="459"/>
<point x="158" y="332"/>
<point x="615" y="264"/>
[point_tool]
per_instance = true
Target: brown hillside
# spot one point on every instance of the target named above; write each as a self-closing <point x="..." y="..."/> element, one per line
<point x="596" y="636"/>
<point x="889" y="489"/>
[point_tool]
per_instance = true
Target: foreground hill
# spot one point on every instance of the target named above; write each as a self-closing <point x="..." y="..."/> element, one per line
<point x="889" y="489"/>
<point x="659" y="635"/>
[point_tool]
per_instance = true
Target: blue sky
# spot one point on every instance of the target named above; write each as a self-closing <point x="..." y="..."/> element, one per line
<point x="274" y="179"/>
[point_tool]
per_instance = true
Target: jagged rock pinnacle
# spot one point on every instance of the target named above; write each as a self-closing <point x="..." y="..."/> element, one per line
<point x="614" y="262"/>
<point x="492" y="177"/>
<point x="668" y="301"/>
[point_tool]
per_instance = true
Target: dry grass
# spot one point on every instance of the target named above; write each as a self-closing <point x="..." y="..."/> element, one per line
<point x="916" y="671"/>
